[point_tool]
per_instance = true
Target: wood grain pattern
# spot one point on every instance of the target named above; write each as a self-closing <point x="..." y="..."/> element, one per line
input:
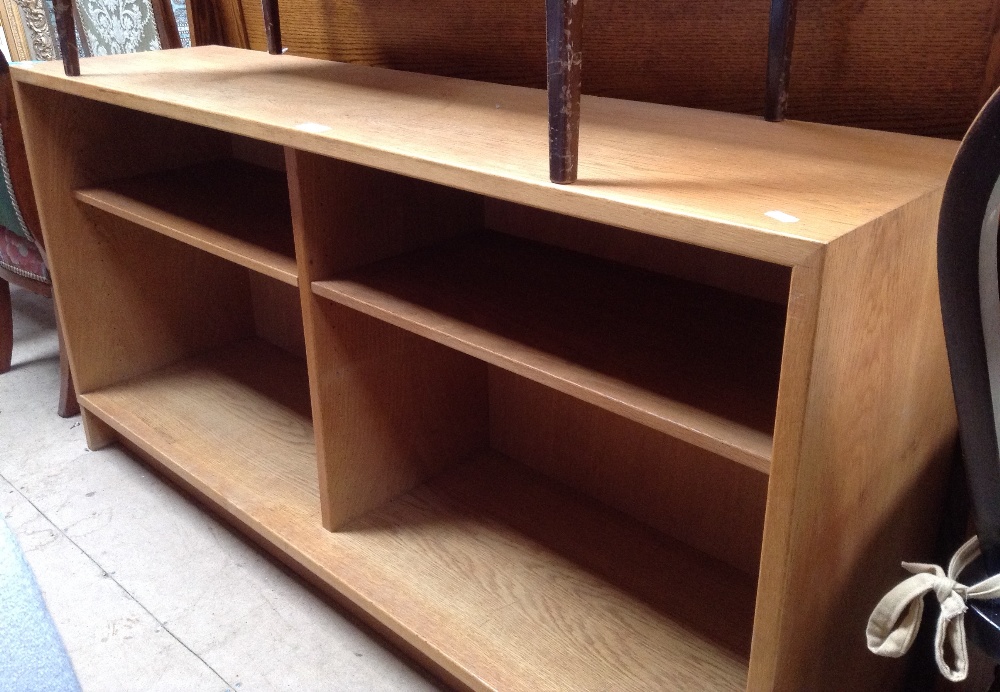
<point x="347" y="216"/>
<point x="914" y="66"/>
<point x="17" y="179"/>
<point x="208" y="23"/>
<point x="98" y="433"/>
<point x="398" y="409"/>
<point x="504" y="577"/>
<point x="858" y="474"/>
<point x="646" y="608"/>
<point x="734" y="273"/>
<point x="107" y="266"/>
<point x="790" y="420"/>
<point x="245" y="406"/>
<point x="277" y="314"/>
<point x="692" y="362"/>
<point x="682" y="491"/>
<point x="391" y="408"/>
<point x="705" y="178"/>
<point x="231" y="209"/>
<point x="200" y="302"/>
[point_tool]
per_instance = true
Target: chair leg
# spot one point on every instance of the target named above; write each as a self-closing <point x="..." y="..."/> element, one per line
<point x="563" y="34"/>
<point x="68" y="405"/>
<point x="272" y="26"/>
<point x="6" y="327"/>
<point x="781" y="35"/>
<point x="66" y="29"/>
<point x="166" y="24"/>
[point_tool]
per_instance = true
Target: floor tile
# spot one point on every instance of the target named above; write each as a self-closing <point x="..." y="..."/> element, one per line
<point x="114" y="643"/>
<point x="246" y="617"/>
<point x="149" y="591"/>
<point x="32" y="436"/>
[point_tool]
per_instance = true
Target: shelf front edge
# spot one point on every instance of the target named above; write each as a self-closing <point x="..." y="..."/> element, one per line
<point x="241" y="252"/>
<point x="636" y="204"/>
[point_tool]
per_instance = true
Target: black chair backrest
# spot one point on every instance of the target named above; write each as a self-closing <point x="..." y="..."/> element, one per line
<point x="970" y="306"/>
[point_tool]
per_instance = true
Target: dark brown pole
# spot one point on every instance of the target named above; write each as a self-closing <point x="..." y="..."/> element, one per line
<point x="272" y="26"/>
<point x="563" y="34"/>
<point x="780" y="36"/>
<point x="66" y="29"/>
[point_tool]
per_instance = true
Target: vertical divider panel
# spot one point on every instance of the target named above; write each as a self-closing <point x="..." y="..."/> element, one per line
<point x="138" y="300"/>
<point x="390" y="408"/>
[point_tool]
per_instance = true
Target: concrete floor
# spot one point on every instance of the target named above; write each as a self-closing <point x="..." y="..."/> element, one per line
<point x="148" y="591"/>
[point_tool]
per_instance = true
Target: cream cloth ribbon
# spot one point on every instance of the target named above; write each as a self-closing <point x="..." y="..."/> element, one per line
<point x="893" y="624"/>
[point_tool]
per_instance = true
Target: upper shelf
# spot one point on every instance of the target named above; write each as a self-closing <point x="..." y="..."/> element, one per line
<point x="229" y="208"/>
<point x="774" y="191"/>
<point x="694" y="362"/>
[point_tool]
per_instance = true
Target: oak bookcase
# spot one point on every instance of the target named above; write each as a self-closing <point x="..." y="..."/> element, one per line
<point x="670" y="428"/>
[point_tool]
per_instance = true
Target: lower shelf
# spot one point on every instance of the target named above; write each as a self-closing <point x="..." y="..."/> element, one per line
<point x="502" y="577"/>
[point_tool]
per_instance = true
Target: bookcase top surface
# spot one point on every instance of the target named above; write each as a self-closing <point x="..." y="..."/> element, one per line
<point x="774" y="191"/>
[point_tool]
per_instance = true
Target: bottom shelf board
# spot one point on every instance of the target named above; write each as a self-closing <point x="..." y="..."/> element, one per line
<point x="240" y="416"/>
<point x="503" y="578"/>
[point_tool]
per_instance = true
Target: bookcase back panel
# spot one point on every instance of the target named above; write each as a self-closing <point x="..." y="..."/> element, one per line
<point x="121" y="328"/>
<point x="742" y="275"/>
<point x="682" y="491"/>
<point x="277" y="314"/>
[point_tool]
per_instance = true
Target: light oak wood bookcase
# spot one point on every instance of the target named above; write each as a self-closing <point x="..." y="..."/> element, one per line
<point x="670" y="428"/>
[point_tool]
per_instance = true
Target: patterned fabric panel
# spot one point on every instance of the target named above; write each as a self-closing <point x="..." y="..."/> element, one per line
<point x="118" y="26"/>
<point x="20" y="256"/>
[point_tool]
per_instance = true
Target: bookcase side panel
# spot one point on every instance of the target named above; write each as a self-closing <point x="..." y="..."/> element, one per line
<point x="129" y="300"/>
<point x="862" y="489"/>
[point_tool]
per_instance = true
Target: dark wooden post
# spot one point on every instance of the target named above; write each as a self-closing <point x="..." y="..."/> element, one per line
<point x="66" y="29"/>
<point x="272" y="26"/>
<point x="563" y="34"/>
<point x="781" y="34"/>
<point x="166" y="24"/>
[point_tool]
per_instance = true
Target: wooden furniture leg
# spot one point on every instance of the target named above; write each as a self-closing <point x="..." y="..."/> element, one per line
<point x="272" y="26"/>
<point x="563" y="34"/>
<point x="68" y="405"/>
<point x="66" y="28"/>
<point x="166" y="24"/>
<point x="98" y="433"/>
<point x="779" y="58"/>
<point x="6" y="327"/>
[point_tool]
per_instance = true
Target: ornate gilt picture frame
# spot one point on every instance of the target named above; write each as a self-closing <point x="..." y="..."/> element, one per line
<point x="27" y="25"/>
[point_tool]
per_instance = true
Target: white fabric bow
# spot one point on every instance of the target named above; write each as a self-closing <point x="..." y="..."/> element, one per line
<point x="893" y="624"/>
